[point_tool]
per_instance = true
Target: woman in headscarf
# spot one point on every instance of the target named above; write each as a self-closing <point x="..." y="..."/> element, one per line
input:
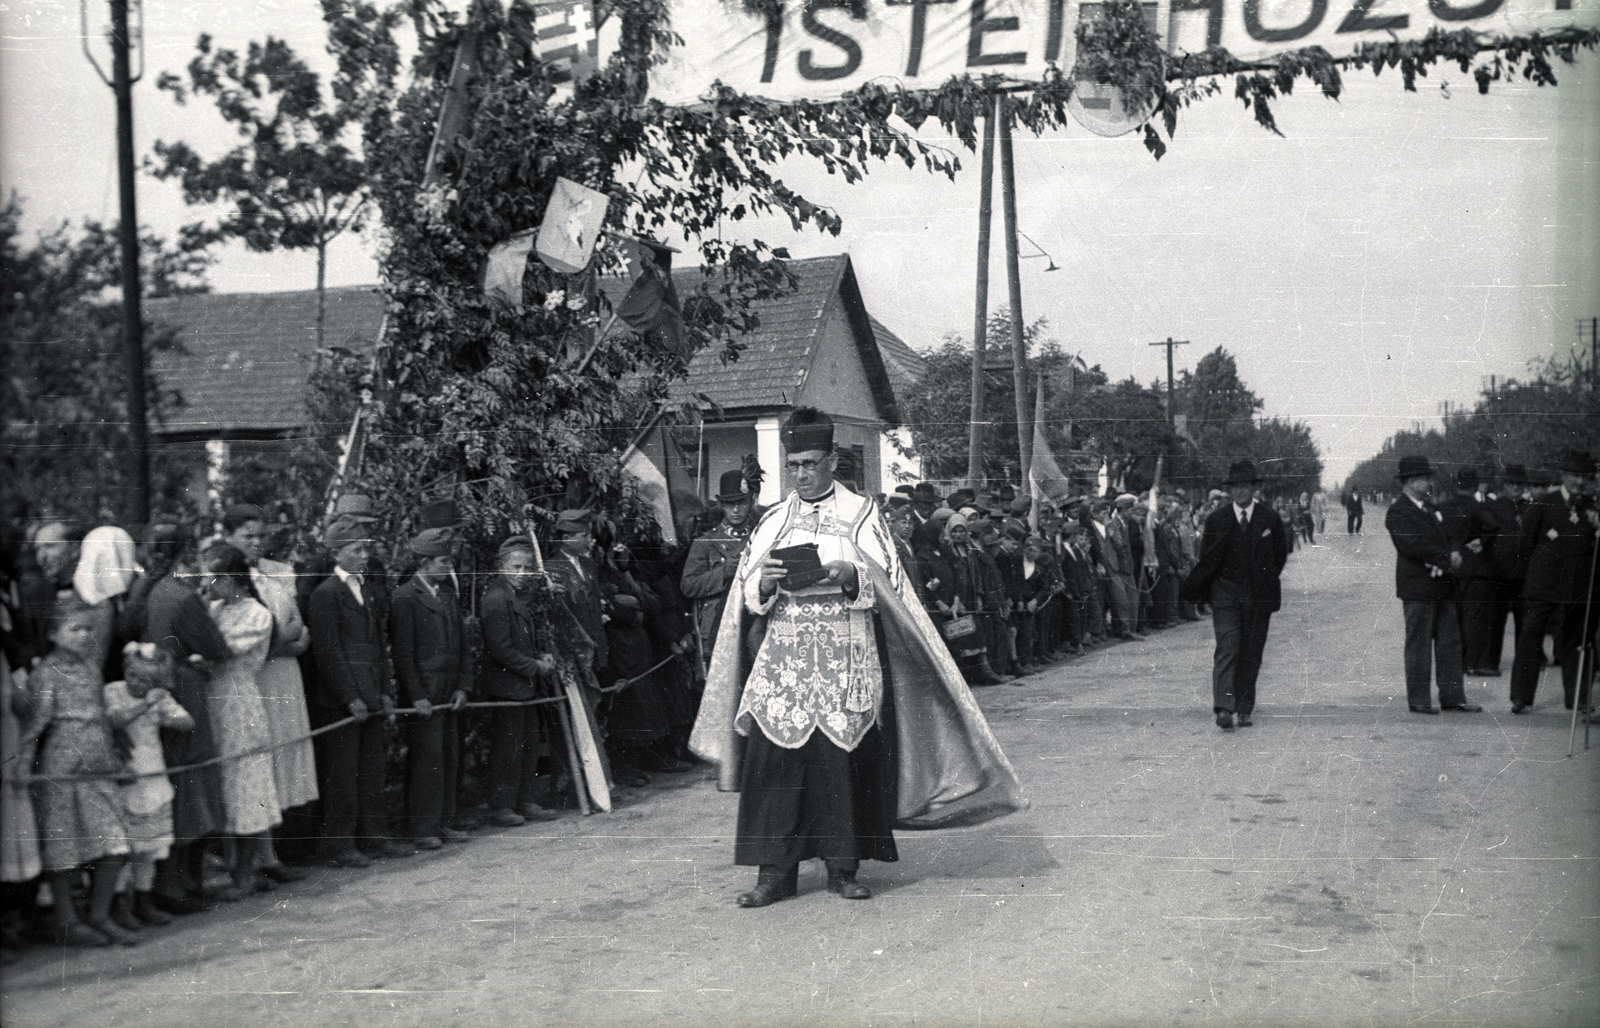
<point x="108" y="566"/>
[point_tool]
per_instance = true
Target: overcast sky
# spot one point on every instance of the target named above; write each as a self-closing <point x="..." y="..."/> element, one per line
<point x="1388" y="254"/>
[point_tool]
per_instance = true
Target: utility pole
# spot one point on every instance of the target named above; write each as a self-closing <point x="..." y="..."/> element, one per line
<point x="121" y="83"/>
<point x="980" y="315"/>
<point x="1019" y="346"/>
<point x="1169" y="343"/>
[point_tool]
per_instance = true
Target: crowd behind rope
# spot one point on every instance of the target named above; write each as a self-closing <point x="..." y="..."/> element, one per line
<point x="185" y="725"/>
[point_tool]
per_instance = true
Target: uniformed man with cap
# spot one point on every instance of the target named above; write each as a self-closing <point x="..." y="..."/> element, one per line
<point x="714" y="558"/>
<point x="573" y="568"/>
<point x="1427" y="561"/>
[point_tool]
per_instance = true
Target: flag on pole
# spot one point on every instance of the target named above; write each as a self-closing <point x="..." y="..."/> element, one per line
<point x="651" y="307"/>
<point x="572" y="222"/>
<point x="1045" y="477"/>
<point x="507" y="263"/>
<point x="454" y="112"/>
<point x="567" y="42"/>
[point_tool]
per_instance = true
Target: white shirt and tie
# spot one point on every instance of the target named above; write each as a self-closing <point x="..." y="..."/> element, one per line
<point x="352" y="582"/>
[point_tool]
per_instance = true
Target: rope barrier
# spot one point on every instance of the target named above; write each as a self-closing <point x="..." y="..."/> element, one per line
<point x="126" y="777"/>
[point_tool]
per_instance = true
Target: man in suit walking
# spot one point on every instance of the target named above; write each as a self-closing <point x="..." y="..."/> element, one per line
<point x="1426" y="563"/>
<point x="1242" y="552"/>
<point x="435" y="676"/>
<point x="1558" y="538"/>
<point x="353" y="678"/>
<point x="1472" y="534"/>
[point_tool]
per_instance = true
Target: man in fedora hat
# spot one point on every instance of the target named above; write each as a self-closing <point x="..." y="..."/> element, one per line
<point x="1424" y="575"/>
<point x="1242" y="552"/>
<point x="925" y="499"/>
<point x="1557" y="549"/>
<point x="714" y="558"/>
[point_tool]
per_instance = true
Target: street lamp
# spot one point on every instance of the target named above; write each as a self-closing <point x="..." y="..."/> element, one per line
<point x="121" y="82"/>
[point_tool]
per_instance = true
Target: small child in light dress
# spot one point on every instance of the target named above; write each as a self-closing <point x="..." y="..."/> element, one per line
<point x="80" y="819"/>
<point x="141" y="706"/>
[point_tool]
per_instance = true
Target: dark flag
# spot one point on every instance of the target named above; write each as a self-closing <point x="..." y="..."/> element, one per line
<point x="651" y="307"/>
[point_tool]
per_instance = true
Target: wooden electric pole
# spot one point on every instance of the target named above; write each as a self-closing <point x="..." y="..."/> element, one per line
<point x="980" y="315"/>
<point x="1169" y="343"/>
<point x="1019" y="345"/>
<point x="121" y="83"/>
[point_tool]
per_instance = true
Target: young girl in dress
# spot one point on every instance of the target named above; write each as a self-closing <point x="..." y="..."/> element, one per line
<point x="140" y="706"/>
<point x="80" y="820"/>
<point x="238" y="716"/>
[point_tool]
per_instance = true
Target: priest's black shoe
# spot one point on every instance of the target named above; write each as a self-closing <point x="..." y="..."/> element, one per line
<point x="773" y="883"/>
<point x="1225" y="721"/>
<point x="842" y="880"/>
<point x="1470" y="708"/>
<point x="1244" y="721"/>
<point x="1415" y="709"/>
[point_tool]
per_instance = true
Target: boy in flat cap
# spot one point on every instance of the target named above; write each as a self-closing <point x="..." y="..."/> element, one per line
<point x="434" y="673"/>
<point x="353" y="679"/>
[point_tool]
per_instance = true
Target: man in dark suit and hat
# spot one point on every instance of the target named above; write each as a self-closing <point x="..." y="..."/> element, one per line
<point x="714" y="558"/>
<point x="1472" y="535"/>
<point x="1424" y="576"/>
<point x="925" y="499"/>
<point x="1242" y="553"/>
<point x="1558" y="539"/>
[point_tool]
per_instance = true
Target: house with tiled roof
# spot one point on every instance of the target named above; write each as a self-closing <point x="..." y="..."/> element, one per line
<point x="816" y="346"/>
<point x="244" y="358"/>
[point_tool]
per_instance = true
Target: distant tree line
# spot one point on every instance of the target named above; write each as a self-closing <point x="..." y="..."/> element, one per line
<point x="1089" y="419"/>
<point x="1528" y="423"/>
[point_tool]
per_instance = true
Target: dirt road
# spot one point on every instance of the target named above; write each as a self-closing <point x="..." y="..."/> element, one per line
<point x="1341" y="862"/>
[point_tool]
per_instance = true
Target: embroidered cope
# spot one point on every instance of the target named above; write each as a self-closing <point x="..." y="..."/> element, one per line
<point x="818" y="665"/>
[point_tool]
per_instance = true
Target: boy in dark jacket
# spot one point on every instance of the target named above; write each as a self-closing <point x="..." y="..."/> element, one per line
<point x="353" y="679"/>
<point x="434" y="674"/>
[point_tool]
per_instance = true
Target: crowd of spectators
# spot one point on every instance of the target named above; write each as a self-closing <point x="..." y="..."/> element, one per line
<point x="188" y="721"/>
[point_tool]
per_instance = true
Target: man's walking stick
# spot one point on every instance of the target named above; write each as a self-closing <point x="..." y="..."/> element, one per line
<point x="1585" y="663"/>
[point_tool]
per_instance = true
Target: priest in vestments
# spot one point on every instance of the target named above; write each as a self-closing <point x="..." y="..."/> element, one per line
<point x="832" y="704"/>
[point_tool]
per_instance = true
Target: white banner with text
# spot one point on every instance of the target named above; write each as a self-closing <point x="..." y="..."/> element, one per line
<point x="819" y="49"/>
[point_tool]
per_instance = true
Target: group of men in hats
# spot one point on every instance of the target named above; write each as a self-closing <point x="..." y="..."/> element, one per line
<point x="1468" y="561"/>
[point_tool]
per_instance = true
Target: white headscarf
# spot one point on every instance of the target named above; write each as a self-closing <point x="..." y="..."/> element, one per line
<point x="107" y="565"/>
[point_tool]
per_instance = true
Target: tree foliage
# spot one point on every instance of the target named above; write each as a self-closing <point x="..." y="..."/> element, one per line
<point x="295" y="181"/>
<point x="64" y="390"/>
<point x="1090" y="421"/>
<point x="1529" y="423"/>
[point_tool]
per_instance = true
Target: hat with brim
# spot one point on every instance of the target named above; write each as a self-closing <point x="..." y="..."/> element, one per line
<point x="434" y="542"/>
<point x="1126" y="500"/>
<point x="906" y="489"/>
<point x="734" y="488"/>
<point x="1413" y="466"/>
<point x="898" y="501"/>
<point x="1576" y="462"/>
<point x="355" y="506"/>
<point x="924" y="492"/>
<point x="1467" y="478"/>
<point x="574" y="520"/>
<point x="516" y="542"/>
<point x="1242" y="472"/>
<point x="440" y="514"/>
<point x="342" y="533"/>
